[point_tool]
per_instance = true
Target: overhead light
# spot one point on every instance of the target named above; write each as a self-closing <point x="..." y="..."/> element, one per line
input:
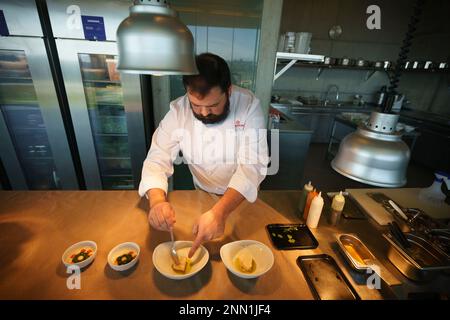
<point x="374" y="154"/>
<point x="152" y="40"/>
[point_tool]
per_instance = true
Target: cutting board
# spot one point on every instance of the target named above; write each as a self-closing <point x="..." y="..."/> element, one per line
<point x="405" y="197"/>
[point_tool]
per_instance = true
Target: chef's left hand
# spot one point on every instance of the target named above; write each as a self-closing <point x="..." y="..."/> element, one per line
<point x="209" y="226"/>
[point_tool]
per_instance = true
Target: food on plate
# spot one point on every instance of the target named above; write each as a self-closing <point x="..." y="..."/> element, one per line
<point x="244" y="261"/>
<point x="125" y="258"/>
<point x="80" y="255"/>
<point x="354" y="254"/>
<point x="183" y="267"/>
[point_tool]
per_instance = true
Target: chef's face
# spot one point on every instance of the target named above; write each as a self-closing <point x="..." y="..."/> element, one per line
<point x="210" y="108"/>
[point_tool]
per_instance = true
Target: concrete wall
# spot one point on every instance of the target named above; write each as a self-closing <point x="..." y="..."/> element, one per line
<point x="425" y="91"/>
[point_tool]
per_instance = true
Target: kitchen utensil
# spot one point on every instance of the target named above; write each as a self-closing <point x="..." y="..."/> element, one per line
<point x="398" y="234"/>
<point x="325" y="278"/>
<point x="421" y="262"/>
<point x="302" y="42"/>
<point x="173" y="251"/>
<point x="378" y="64"/>
<point x="387" y="64"/>
<point x="398" y="210"/>
<point x="329" y="61"/>
<point x="291" y="236"/>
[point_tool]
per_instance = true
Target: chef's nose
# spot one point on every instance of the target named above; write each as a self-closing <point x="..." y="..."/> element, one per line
<point x="205" y="112"/>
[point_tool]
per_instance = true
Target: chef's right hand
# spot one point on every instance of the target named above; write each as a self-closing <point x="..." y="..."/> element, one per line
<point x="162" y="216"/>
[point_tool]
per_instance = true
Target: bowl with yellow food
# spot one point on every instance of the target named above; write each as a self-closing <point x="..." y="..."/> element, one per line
<point x="188" y="267"/>
<point x="247" y="258"/>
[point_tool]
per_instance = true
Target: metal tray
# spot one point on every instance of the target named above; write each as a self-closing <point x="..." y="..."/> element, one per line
<point x="325" y="278"/>
<point x="291" y="236"/>
<point x="421" y="262"/>
<point x="345" y="240"/>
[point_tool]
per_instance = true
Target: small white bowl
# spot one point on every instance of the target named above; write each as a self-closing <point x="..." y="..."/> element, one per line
<point x="262" y="256"/>
<point x="120" y="250"/>
<point x="75" y="248"/>
<point x="162" y="260"/>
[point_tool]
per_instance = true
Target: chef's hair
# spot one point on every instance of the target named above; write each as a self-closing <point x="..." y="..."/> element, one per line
<point x="213" y="71"/>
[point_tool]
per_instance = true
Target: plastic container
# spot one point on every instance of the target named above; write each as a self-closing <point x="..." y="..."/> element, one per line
<point x="302" y="203"/>
<point x="309" y="199"/>
<point x="315" y="212"/>
<point x="336" y="208"/>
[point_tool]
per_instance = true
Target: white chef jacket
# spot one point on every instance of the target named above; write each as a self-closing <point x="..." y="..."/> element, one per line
<point x="230" y="154"/>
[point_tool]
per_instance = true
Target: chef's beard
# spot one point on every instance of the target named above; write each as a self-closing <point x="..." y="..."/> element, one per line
<point x="214" y="118"/>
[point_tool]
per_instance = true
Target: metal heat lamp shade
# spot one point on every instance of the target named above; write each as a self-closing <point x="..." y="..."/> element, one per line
<point x="152" y="40"/>
<point x="374" y="154"/>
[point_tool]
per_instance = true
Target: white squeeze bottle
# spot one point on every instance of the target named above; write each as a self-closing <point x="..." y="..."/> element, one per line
<point x="315" y="211"/>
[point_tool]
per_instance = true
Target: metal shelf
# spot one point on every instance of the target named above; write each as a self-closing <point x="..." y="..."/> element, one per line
<point x="293" y="57"/>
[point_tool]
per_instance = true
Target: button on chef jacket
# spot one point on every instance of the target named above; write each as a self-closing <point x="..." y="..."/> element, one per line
<point x="230" y="154"/>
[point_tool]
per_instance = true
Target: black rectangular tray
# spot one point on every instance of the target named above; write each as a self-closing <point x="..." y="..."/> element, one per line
<point x="325" y="279"/>
<point x="299" y="234"/>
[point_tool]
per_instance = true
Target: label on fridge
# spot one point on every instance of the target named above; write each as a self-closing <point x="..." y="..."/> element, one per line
<point x="3" y="26"/>
<point x="94" y="28"/>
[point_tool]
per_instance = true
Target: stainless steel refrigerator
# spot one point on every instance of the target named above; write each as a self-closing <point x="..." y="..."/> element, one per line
<point x="105" y="105"/>
<point x="34" y="149"/>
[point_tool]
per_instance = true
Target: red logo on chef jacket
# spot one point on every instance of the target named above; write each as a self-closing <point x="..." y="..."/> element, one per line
<point x="239" y="124"/>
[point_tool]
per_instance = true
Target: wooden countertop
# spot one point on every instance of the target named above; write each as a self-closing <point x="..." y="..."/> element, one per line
<point x="36" y="227"/>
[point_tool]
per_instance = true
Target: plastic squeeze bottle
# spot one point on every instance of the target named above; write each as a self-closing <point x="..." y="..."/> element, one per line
<point x="336" y="208"/>
<point x="315" y="211"/>
<point x="309" y="199"/>
<point x="306" y="189"/>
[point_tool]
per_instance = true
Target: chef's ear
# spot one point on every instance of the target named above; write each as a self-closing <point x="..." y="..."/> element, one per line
<point x="229" y="90"/>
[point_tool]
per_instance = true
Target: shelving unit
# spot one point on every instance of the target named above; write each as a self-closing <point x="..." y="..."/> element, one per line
<point x="293" y="58"/>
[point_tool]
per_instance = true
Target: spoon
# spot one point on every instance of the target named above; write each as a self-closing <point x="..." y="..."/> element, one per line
<point x="173" y="252"/>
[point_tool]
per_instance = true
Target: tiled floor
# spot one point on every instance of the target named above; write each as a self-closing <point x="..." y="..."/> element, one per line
<point x="319" y="171"/>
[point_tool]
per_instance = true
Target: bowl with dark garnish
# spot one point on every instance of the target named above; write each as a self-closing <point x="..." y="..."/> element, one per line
<point x="124" y="256"/>
<point x="80" y="254"/>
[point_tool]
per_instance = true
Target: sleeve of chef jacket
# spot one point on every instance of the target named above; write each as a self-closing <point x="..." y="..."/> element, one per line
<point x="158" y="166"/>
<point x="252" y="158"/>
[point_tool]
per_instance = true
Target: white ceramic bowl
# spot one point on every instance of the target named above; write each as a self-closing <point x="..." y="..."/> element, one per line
<point x="75" y="248"/>
<point x="120" y="250"/>
<point x="262" y="256"/>
<point x="162" y="259"/>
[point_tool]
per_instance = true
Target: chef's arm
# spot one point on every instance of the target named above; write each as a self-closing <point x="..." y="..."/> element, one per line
<point x="229" y="201"/>
<point x="156" y="196"/>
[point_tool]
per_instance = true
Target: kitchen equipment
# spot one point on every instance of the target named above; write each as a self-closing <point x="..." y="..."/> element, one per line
<point x="361" y="62"/>
<point x="344" y="61"/>
<point x="329" y="61"/>
<point x="153" y="40"/>
<point x="398" y="234"/>
<point x="399" y="211"/>
<point x="387" y="64"/>
<point x="375" y="154"/>
<point x="443" y="65"/>
<point x="325" y="278"/>
<point x="421" y="262"/>
<point x="303" y="42"/>
<point x="291" y="236"/>
<point x="428" y="65"/>
<point x="378" y="64"/>
<point x="381" y="96"/>
<point x="261" y="255"/>
<point x="335" y="32"/>
<point x="173" y="251"/>
<point x="289" y="42"/>
<point x="356" y="253"/>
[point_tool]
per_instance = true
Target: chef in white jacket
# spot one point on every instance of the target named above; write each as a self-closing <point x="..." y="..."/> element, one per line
<point x="220" y="130"/>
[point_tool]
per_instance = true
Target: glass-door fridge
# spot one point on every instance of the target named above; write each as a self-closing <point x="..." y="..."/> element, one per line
<point x="105" y="105"/>
<point x="34" y="149"/>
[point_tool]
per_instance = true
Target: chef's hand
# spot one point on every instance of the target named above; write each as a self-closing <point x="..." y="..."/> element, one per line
<point x="209" y="226"/>
<point x="162" y="216"/>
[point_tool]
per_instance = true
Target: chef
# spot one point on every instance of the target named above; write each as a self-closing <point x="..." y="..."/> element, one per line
<point x="220" y="130"/>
